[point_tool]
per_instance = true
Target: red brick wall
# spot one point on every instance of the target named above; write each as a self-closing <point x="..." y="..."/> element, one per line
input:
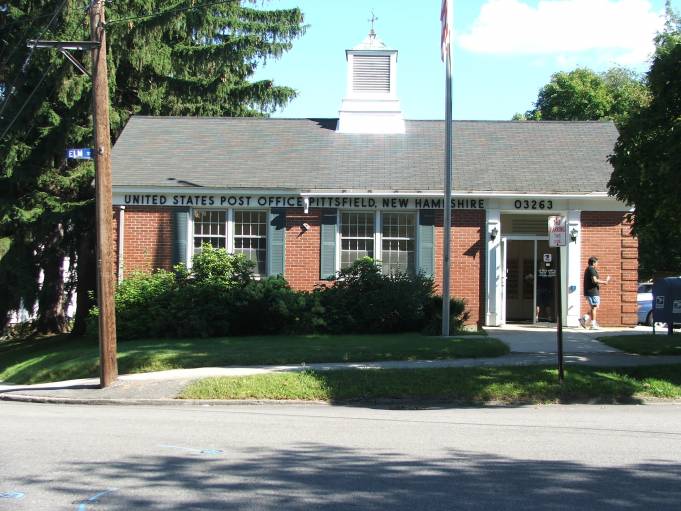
<point x="148" y="239"/>
<point x="148" y="245"/>
<point x="303" y="248"/>
<point x="467" y="278"/>
<point x="607" y="235"/>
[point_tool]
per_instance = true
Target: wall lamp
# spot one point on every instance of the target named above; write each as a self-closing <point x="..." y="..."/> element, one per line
<point x="573" y="234"/>
<point x="493" y="233"/>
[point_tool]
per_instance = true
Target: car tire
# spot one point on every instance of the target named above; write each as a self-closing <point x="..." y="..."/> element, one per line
<point x="649" y="319"/>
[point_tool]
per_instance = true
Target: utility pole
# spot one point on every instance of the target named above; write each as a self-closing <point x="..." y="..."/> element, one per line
<point x="108" y="365"/>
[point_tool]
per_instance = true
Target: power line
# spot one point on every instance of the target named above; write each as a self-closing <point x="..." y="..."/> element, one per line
<point x="169" y="11"/>
<point x="12" y="89"/>
<point x="28" y="99"/>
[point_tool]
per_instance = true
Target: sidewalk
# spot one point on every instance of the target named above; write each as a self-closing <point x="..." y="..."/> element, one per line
<point x="529" y="346"/>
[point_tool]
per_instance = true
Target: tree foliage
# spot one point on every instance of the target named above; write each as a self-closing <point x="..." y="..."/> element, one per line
<point x="180" y="57"/>
<point x="584" y="95"/>
<point x="647" y="159"/>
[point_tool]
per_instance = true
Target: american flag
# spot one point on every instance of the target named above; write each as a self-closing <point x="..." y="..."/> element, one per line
<point x="445" y="13"/>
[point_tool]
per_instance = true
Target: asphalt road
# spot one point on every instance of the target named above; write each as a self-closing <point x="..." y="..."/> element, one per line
<point x="60" y="457"/>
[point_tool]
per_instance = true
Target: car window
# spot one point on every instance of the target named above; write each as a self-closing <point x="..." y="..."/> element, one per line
<point x="645" y="288"/>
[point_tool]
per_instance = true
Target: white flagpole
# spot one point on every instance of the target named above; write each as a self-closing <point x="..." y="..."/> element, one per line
<point x="446" y="18"/>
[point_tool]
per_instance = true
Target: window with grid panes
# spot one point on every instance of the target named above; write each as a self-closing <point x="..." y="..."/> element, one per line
<point x="357" y="237"/>
<point x="399" y="243"/>
<point x="250" y="237"/>
<point x="210" y="227"/>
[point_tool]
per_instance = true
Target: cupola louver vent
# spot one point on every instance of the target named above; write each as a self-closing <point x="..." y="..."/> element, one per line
<point x="371" y="73"/>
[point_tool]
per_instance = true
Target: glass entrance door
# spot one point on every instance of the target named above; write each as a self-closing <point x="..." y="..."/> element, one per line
<point x="531" y="279"/>
<point x="520" y="269"/>
<point x="546" y="282"/>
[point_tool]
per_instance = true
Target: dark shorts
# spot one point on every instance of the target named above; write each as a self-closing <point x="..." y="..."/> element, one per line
<point x="594" y="301"/>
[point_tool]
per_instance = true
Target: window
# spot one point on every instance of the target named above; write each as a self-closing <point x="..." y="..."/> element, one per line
<point x="210" y="227"/>
<point x="399" y="243"/>
<point x="357" y="237"/>
<point x="250" y="237"/>
<point x="246" y="234"/>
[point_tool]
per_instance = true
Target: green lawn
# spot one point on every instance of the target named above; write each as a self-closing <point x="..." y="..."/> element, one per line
<point x="460" y="385"/>
<point x="645" y="344"/>
<point x="61" y="358"/>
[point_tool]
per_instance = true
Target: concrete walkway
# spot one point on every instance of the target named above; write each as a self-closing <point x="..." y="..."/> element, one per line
<point x="529" y="346"/>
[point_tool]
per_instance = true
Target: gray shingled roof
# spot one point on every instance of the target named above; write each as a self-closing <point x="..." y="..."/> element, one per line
<point x="308" y="155"/>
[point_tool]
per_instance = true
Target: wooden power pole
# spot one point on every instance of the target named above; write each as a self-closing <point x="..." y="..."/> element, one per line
<point x="108" y="366"/>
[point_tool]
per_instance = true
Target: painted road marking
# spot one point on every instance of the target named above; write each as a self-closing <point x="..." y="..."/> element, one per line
<point x="94" y="498"/>
<point x="209" y="452"/>
<point x="14" y="495"/>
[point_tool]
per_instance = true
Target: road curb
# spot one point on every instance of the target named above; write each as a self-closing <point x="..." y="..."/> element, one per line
<point x="26" y="398"/>
<point x="387" y="403"/>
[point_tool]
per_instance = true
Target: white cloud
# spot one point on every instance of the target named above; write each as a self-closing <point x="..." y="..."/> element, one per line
<point x="619" y="31"/>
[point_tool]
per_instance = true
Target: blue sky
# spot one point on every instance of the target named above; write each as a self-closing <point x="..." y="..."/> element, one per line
<point x="505" y="50"/>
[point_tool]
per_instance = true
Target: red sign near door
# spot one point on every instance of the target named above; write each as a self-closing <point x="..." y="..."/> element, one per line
<point x="557" y="231"/>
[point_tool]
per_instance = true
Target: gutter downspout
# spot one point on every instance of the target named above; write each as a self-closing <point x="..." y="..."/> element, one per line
<point x="121" y="241"/>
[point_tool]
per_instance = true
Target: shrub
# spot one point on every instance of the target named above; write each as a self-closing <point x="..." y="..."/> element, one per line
<point x="270" y="306"/>
<point x="216" y="264"/>
<point x="219" y="297"/>
<point x="364" y="300"/>
<point x="142" y="304"/>
<point x="458" y="315"/>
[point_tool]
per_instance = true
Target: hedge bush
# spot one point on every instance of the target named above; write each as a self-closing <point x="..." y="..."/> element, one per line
<point x="220" y="297"/>
<point x="364" y="300"/>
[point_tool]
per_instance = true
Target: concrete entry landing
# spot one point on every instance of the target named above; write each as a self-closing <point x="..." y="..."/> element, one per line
<point x="537" y="339"/>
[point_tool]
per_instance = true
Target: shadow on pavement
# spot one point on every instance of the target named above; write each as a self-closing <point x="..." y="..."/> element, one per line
<point x="316" y="476"/>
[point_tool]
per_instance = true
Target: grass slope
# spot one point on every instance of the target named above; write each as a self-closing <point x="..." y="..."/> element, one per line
<point x="61" y="358"/>
<point x="468" y="385"/>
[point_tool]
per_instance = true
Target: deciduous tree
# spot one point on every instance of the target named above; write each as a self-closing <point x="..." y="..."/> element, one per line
<point x="584" y="95"/>
<point x="647" y="158"/>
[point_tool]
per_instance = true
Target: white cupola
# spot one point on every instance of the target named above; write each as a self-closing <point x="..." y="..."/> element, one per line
<point x="371" y="104"/>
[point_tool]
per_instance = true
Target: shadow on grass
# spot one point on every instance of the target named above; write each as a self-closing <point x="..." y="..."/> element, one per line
<point x="647" y="344"/>
<point x="449" y="387"/>
<point x="334" y="477"/>
<point x="477" y="385"/>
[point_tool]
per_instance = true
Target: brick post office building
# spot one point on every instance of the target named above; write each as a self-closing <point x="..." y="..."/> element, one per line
<point x="306" y="197"/>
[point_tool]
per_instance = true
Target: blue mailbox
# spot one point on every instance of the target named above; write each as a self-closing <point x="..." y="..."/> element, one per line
<point x="667" y="301"/>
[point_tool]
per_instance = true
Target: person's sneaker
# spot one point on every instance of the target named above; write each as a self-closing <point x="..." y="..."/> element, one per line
<point x="582" y="321"/>
<point x="594" y="326"/>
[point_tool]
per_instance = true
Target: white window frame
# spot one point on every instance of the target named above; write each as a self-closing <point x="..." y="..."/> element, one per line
<point x="339" y="235"/>
<point x="193" y="235"/>
<point x="414" y="215"/>
<point x="266" y="237"/>
<point x="378" y="234"/>
<point x="229" y="233"/>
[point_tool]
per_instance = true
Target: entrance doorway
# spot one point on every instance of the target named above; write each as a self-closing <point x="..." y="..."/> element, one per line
<point x="531" y="280"/>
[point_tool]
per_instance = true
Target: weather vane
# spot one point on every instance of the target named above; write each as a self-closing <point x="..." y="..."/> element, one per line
<point x="373" y="21"/>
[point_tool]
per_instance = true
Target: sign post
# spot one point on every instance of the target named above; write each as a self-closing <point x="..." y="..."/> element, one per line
<point x="558" y="238"/>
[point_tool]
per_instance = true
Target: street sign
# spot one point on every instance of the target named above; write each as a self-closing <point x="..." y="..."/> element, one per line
<point x="79" y="154"/>
<point x="557" y="231"/>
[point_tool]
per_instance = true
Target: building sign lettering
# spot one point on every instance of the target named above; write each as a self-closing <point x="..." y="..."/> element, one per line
<point x="294" y="201"/>
<point x="533" y="204"/>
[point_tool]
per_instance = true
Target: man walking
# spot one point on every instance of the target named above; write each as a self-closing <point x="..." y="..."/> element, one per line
<point x="592" y="282"/>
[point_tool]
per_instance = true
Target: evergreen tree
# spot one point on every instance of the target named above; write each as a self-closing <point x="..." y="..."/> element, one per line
<point x="185" y="57"/>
